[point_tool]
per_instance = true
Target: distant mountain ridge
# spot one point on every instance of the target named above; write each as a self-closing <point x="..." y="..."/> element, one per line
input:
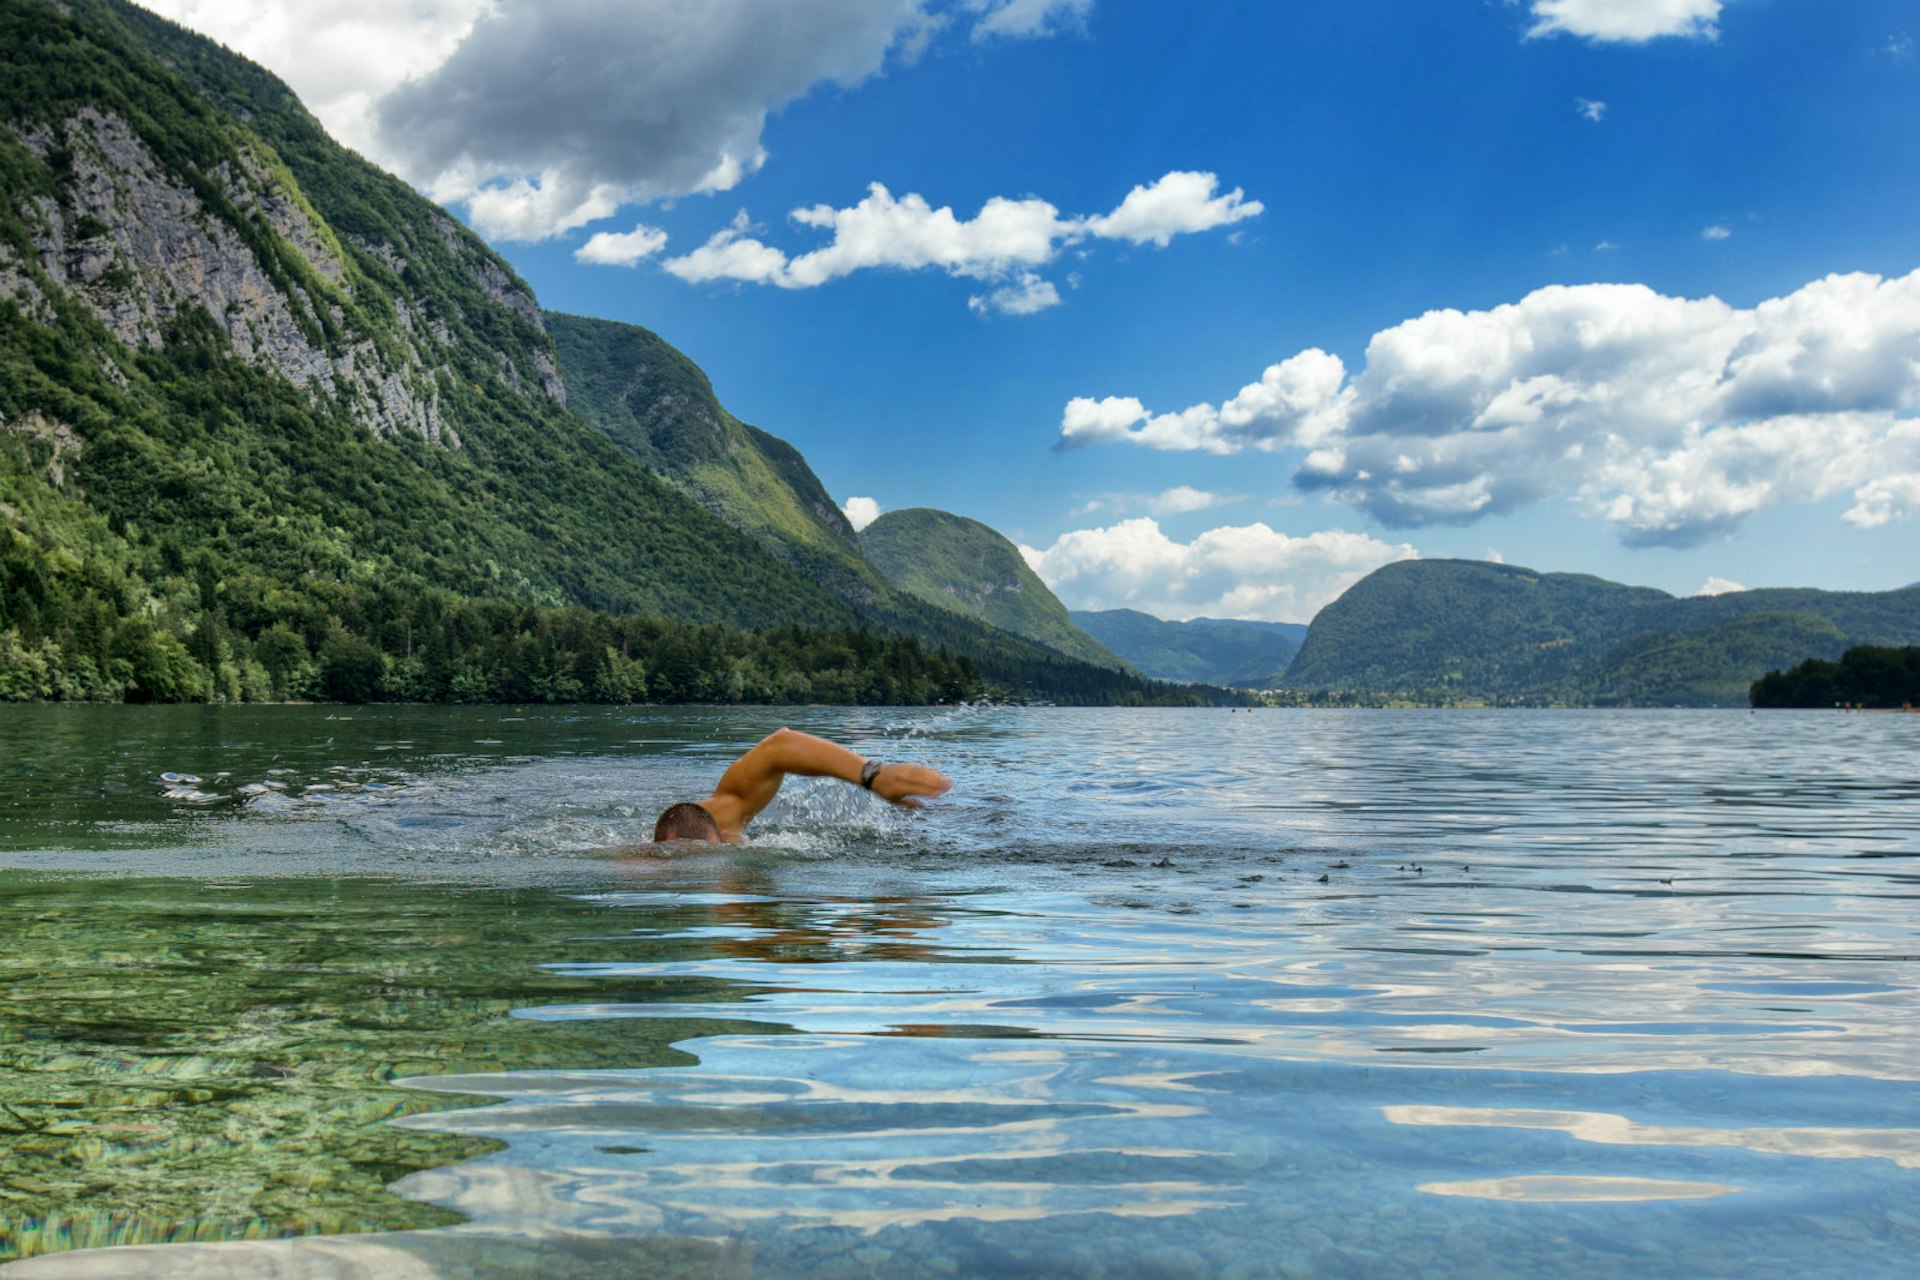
<point x="1502" y="631"/>
<point x="1223" y="651"/>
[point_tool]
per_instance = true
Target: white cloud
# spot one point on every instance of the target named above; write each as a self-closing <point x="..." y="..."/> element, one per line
<point x="546" y="115"/>
<point x="1089" y="421"/>
<point x="1179" y="203"/>
<point x="1885" y="500"/>
<point x="1236" y="571"/>
<point x="1625" y="21"/>
<point x="340" y="56"/>
<point x="1605" y="246"/>
<point x="860" y="512"/>
<point x="1719" y="587"/>
<point x="1182" y="499"/>
<point x="1671" y="418"/>
<point x="1715" y="232"/>
<point x="622" y="249"/>
<point x="1024" y="19"/>
<point x="1003" y="243"/>
<point x="1023" y="297"/>
<point x="1298" y="402"/>
<point x="1591" y="108"/>
<point x="1493" y="554"/>
<point x="552" y="113"/>
<point x="882" y="231"/>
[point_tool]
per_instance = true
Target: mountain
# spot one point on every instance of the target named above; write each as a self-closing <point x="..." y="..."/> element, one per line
<point x="1471" y="628"/>
<point x="1225" y="651"/>
<point x="963" y="566"/>
<point x="659" y="408"/>
<point x="273" y="424"/>
<point x="1294" y="631"/>
<point x="230" y="341"/>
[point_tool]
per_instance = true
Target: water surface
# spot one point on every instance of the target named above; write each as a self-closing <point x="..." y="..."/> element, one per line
<point x="1153" y="993"/>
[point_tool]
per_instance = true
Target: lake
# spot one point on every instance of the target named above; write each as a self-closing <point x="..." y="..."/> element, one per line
<point x="336" y="992"/>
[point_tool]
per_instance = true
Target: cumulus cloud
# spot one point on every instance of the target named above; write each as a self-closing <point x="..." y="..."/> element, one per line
<point x="1179" y="203"/>
<point x="1671" y="418"/>
<point x="1236" y="571"/>
<point x="1023" y="297"/>
<point x="1719" y="587"/>
<point x="340" y="56"/>
<point x="1625" y="21"/>
<point x="551" y="113"/>
<point x="623" y="248"/>
<point x="1002" y="243"/>
<point x="1298" y="402"/>
<point x="1024" y="19"/>
<point x="860" y="512"/>
<point x="1885" y="500"/>
<point x="1716" y="232"/>
<point x="1590" y="108"/>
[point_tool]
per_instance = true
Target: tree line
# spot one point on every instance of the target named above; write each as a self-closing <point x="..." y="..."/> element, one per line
<point x="80" y="631"/>
<point x="1874" y="676"/>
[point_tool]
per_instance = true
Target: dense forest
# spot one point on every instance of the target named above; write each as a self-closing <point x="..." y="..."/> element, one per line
<point x="1874" y="676"/>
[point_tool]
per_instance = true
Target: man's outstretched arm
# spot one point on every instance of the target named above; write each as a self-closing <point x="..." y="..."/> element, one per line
<point x="751" y="782"/>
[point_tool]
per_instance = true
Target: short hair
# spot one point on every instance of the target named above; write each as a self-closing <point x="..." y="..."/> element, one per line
<point x="685" y="821"/>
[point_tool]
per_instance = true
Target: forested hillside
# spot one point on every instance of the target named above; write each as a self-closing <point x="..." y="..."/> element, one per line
<point x="1875" y="677"/>
<point x="1467" y="628"/>
<point x="961" y="565"/>
<point x="1251" y="655"/>
<point x="659" y="408"/>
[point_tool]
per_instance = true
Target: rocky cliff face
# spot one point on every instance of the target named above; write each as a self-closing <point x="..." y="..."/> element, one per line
<point x="137" y="244"/>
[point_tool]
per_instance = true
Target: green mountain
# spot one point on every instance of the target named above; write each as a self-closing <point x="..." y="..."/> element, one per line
<point x="228" y="339"/>
<point x="1466" y="628"/>
<point x="1250" y="655"/>
<point x="659" y="408"/>
<point x="272" y="424"/>
<point x="963" y="566"/>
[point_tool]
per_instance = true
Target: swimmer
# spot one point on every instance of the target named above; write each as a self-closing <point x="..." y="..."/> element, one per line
<point x="751" y="782"/>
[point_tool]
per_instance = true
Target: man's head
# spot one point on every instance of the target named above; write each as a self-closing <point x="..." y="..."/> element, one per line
<point x="686" y="821"/>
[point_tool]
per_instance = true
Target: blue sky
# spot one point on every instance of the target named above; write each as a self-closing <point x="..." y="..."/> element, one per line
<point x="1230" y="302"/>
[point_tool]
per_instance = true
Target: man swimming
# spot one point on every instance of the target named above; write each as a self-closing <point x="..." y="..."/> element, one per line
<point x="751" y="782"/>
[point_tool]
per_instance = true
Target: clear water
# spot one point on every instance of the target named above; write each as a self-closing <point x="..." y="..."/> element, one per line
<point x="1152" y="994"/>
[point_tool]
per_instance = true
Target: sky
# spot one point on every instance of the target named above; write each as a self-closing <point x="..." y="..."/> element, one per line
<point x="1215" y="308"/>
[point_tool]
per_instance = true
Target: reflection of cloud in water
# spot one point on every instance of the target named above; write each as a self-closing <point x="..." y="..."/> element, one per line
<point x="828" y="1133"/>
<point x="1578" y="1190"/>
<point x="1902" y="1146"/>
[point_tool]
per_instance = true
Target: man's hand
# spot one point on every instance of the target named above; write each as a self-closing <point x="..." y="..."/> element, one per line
<point x="904" y="784"/>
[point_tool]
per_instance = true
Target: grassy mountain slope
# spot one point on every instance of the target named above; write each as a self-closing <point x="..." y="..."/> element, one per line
<point x="224" y="338"/>
<point x="1218" y="651"/>
<point x="659" y="407"/>
<point x="955" y="563"/>
<point x="1505" y="631"/>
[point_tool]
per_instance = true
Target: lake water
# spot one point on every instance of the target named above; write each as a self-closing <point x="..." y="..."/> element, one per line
<point x="294" y="992"/>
